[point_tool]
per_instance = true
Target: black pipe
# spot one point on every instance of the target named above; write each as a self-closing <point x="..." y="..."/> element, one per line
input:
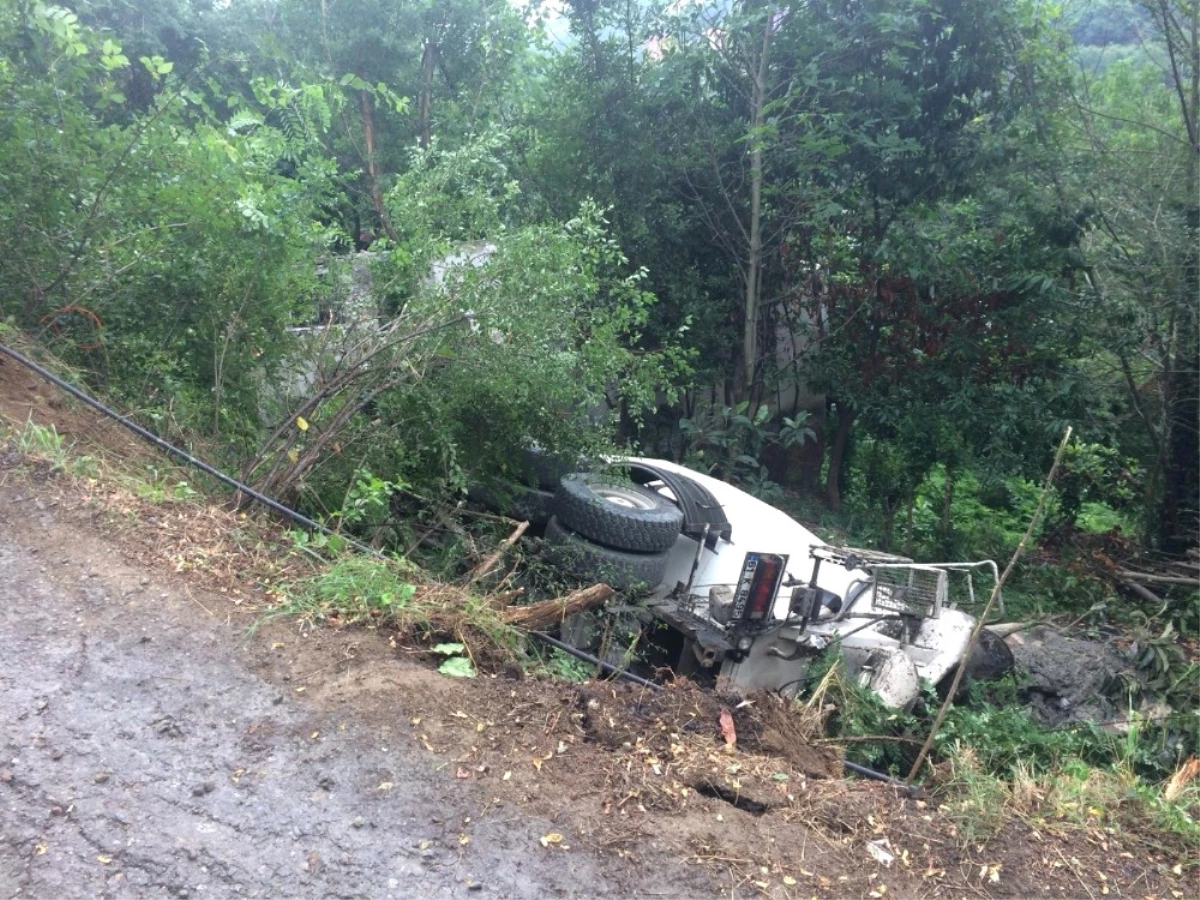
<point x="137" y="429"/>
<point x="878" y="776"/>
<point x="595" y="660"/>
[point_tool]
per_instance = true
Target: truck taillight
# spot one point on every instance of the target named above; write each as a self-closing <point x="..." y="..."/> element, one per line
<point x="762" y="574"/>
<point x="762" y="589"/>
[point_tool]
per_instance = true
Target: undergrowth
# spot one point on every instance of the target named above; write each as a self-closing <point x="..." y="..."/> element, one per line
<point x="44" y="443"/>
<point x="393" y="594"/>
<point x="992" y="760"/>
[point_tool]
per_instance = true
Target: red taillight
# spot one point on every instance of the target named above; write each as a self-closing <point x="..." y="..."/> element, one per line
<point x="762" y="589"/>
<point x="762" y="574"/>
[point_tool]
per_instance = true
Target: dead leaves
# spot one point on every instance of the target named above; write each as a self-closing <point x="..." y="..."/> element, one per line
<point x="1181" y="778"/>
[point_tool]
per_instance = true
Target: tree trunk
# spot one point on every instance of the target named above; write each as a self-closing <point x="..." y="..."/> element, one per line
<point x="368" y="121"/>
<point x="1179" y="508"/>
<point x="837" y="456"/>
<point x="1180" y="498"/>
<point x="427" y="60"/>
<point x="908" y="537"/>
<point x="754" y="263"/>
<point x="552" y="612"/>
<point x="947" y="520"/>
<point x="889" y="525"/>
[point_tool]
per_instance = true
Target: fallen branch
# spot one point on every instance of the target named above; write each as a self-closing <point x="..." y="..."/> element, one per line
<point x="1144" y="593"/>
<point x="540" y="615"/>
<point x="489" y="562"/>
<point x="1158" y="579"/>
<point x="958" y="674"/>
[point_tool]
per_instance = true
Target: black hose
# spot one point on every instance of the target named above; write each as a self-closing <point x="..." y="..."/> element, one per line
<point x="878" y="776"/>
<point x="137" y="429"/>
<point x="595" y="660"/>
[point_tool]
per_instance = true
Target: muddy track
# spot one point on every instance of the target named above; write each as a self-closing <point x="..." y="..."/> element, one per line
<point x="149" y="750"/>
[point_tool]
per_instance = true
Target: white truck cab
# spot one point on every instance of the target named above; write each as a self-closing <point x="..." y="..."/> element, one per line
<point x="756" y="595"/>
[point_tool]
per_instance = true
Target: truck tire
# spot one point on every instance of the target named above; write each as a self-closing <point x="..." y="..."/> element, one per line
<point x="618" y="569"/>
<point x="618" y="515"/>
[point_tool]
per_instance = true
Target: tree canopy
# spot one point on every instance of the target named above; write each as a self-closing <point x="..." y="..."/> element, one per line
<point x="878" y="240"/>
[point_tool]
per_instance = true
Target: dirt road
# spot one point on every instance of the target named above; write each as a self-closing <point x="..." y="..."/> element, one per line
<point x="145" y="751"/>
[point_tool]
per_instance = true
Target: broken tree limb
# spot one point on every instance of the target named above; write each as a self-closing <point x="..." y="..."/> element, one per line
<point x="490" y="561"/>
<point x="1158" y="579"/>
<point x="1142" y="592"/>
<point x="979" y="625"/>
<point x="540" y="615"/>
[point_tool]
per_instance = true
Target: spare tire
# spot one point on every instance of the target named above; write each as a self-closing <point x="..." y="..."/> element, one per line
<point x="617" y="514"/>
<point x="591" y="562"/>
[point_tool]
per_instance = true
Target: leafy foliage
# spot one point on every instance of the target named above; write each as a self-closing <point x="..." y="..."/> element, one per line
<point x="916" y="213"/>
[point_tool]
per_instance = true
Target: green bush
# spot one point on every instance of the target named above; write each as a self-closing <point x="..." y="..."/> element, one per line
<point x="164" y="251"/>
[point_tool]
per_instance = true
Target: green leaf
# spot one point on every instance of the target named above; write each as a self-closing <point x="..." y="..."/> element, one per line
<point x="457" y="667"/>
<point x="449" y="649"/>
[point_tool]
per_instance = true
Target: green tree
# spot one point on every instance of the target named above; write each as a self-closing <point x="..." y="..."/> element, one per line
<point x="1137" y="125"/>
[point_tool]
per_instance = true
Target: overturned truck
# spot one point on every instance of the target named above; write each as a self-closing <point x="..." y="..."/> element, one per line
<point x="751" y="595"/>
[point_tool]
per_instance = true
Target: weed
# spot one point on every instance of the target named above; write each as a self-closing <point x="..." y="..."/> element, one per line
<point x="879" y="735"/>
<point x="994" y="761"/>
<point x="393" y="593"/>
<point x="456" y="664"/>
<point x="43" y="442"/>
<point x="367" y="505"/>
<point x="978" y="802"/>
<point x="353" y="589"/>
<point x="567" y="667"/>
<point x="315" y="544"/>
<point x="164" y="487"/>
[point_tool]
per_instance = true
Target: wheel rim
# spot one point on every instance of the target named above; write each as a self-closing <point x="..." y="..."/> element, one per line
<point x="623" y="497"/>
